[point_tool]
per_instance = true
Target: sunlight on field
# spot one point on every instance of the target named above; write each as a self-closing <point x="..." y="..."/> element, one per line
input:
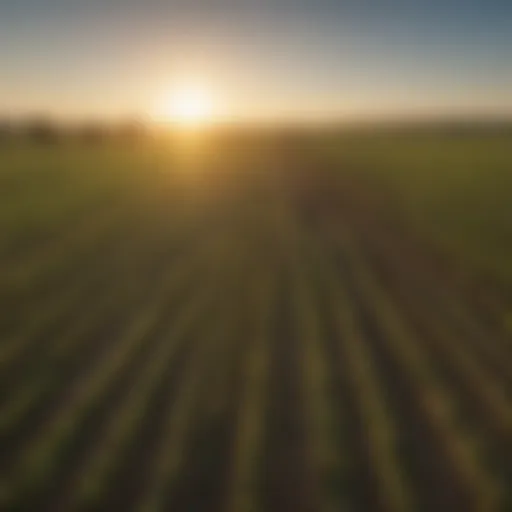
<point x="172" y="304"/>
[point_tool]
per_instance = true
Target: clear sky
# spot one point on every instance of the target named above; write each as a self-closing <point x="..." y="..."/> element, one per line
<point x="262" y="59"/>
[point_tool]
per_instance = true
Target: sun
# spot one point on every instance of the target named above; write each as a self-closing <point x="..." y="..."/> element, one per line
<point x="189" y="106"/>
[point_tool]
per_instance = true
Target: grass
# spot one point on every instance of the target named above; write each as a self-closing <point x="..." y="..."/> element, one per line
<point x="262" y="322"/>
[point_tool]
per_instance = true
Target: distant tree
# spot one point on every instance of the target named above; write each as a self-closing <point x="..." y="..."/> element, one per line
<point x="42" y="130"/>
<point x="130" y="130"/>
<point x="6" y="129"/>
<point x="93" y="133"/>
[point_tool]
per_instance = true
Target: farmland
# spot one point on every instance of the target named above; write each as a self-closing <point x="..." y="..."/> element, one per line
<point x="276" y="323"/>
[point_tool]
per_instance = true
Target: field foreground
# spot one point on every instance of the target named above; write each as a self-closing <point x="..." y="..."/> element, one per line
<point x="281" y="325"/>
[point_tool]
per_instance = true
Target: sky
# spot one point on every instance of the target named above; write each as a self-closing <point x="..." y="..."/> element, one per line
<point x="261" y="59"/>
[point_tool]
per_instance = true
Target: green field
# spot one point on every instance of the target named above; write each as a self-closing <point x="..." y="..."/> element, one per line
<point x="286" y="322"/>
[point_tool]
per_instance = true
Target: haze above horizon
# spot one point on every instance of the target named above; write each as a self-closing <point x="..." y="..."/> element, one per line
<point x="259" y="60"/>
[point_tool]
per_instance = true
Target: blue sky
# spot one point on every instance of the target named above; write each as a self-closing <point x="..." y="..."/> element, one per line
<point x="263" y="59"/>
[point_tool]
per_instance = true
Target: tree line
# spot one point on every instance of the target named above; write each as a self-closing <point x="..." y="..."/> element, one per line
<point x="46" y="130"/>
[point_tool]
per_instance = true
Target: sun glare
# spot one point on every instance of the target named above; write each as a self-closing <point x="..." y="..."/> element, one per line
<point x="187" y="107"/>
